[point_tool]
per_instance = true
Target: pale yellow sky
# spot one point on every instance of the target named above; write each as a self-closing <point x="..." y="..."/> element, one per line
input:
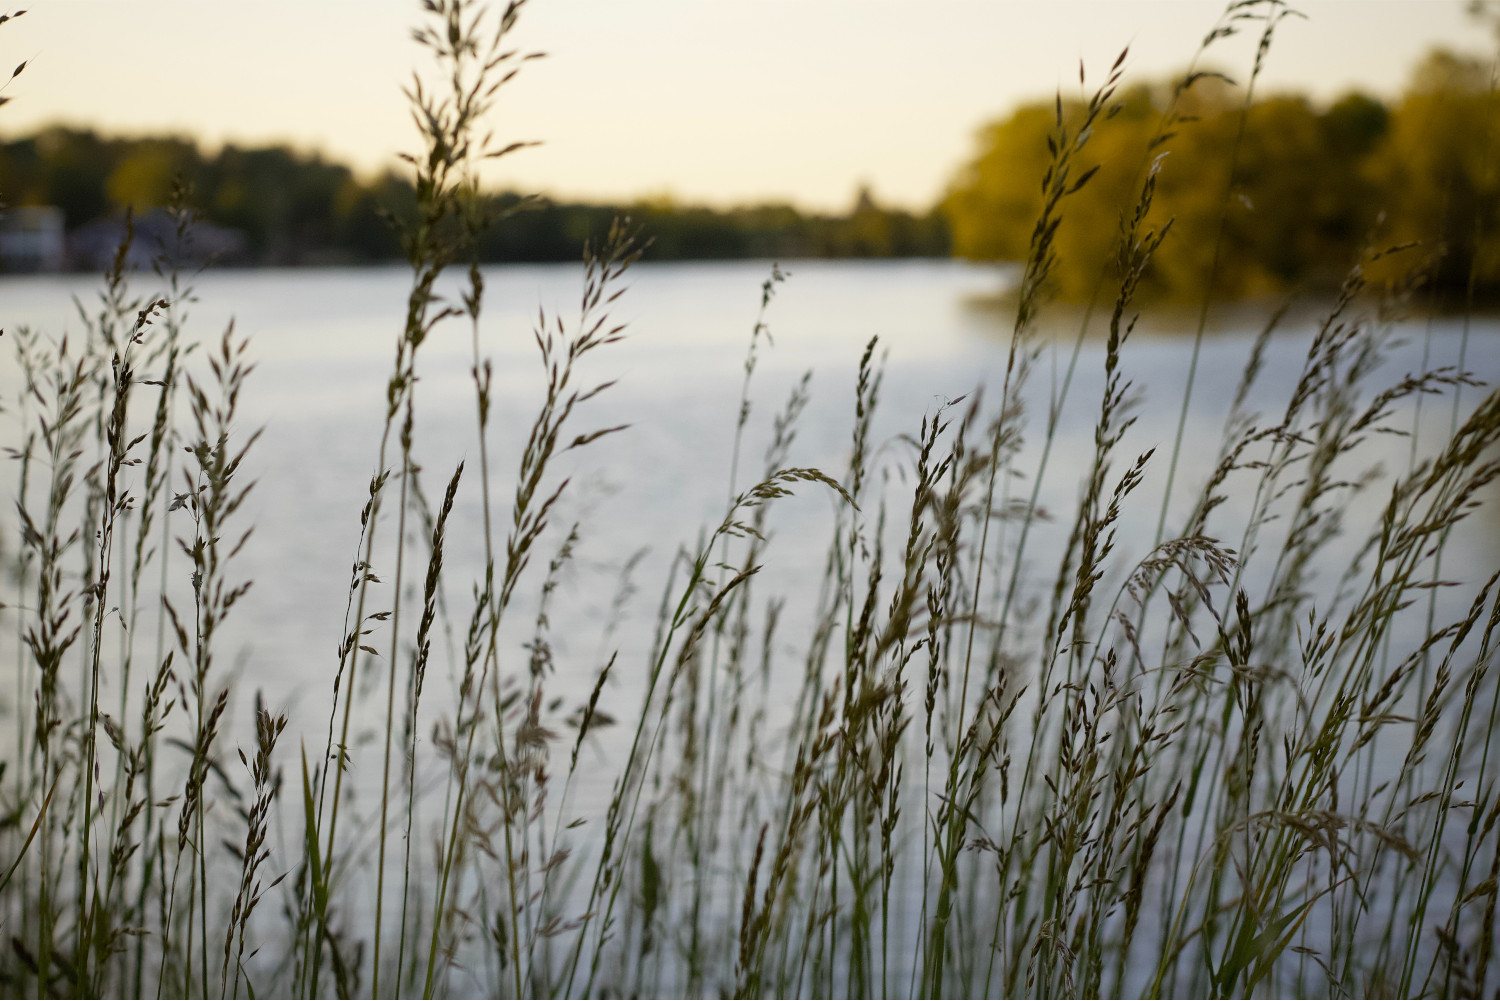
<point x="719" y="101"/>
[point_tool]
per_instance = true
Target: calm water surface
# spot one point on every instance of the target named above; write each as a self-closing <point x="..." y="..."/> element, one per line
<point x="323" y="343"/>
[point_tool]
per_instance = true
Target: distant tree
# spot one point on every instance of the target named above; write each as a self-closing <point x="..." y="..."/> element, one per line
<point x="297" y="208"/>
<point x="995" y="198"/>
<point x="1312" y="188"/>
<point x="1436" y="166"/>
<point x="61" y="167"/>
<point x="144" y="171"/>
<point x="362" y="213"/>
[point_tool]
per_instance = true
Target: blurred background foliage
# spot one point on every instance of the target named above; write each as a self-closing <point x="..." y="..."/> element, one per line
<point x="297" y="208"/>
<point x="1314" y="190"/>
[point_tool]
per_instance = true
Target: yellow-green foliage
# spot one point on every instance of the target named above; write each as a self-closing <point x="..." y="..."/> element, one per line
<point x="1436" y="169"/>
<point x="1292" y="201"/>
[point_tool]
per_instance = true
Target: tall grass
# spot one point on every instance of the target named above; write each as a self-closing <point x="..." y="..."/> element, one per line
<point x="1210" y="770"/>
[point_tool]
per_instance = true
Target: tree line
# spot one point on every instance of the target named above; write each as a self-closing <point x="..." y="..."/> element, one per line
<point x="1267" y="197"/>
<point x="1264" y="198"/>
<point x="298" y="208"/>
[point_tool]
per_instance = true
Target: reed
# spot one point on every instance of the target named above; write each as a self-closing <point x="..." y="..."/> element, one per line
<point x="1208" y="770"/>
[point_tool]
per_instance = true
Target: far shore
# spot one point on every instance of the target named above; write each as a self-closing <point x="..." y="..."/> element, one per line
<point x="1176" y="319"/>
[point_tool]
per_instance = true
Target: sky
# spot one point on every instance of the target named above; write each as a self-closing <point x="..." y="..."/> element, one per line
<point x="716" y="102"/>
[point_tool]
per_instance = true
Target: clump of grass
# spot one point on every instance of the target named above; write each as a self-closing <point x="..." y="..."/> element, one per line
<point x="964" y="779"/>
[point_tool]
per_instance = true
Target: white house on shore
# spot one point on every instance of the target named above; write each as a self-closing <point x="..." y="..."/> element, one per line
<point x="156" y="237"/>
<point x="31" y="238"/>
<point x="35" y="238"/>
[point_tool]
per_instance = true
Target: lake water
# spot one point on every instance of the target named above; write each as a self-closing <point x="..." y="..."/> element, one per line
<point x="323" y="344"/>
